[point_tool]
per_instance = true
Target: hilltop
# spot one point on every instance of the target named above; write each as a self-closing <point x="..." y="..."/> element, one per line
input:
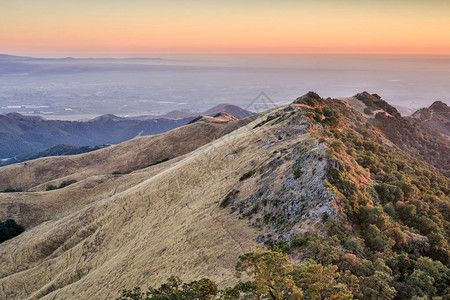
<point x="435" y="119"/>
<point x="233" y="110"/>
<point x="339" y="181"/>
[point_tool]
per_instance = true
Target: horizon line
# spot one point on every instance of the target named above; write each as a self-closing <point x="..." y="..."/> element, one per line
<point x="63" y="55"/>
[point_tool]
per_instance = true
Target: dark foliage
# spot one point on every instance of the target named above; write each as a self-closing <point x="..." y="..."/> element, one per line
<point x="9" y="229"/>
<point x="62" y="185"/>
<point x="247" y="175"/>
<point x="228" y="198"/>
<point x="12" y="190"/>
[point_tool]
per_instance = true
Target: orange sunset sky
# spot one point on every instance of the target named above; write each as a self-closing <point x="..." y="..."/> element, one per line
<point x="263" y="26"/>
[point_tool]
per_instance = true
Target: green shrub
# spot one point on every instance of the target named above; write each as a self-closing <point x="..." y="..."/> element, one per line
<point x="337" y="145"/>
<point x="253" y="210"/>
<point x="325" y="217"/>
<point x="266" y="218"/>
<point x="11" y="190"/>
<point x="228" y="197"/>
<point x="63" y="184"/>
<point x="247" y="175"/>
<point x="281" y="246"/>
<point x="66" y="183"/>
<point x="264" y="201"/>
<point x="298" y="172"/>
<point x="174" y="289"/>
<point x="298" y="242"/>
<point x="116" y="173"/>
<point x="275" y="202"/>
<point x="334" y="176"/>
<point x="344" y="186"/>
<point x="159" y="162"/>
<point x="9" y="229"/>
<point x="388" y="193"/>
<point x="51" y="187"/>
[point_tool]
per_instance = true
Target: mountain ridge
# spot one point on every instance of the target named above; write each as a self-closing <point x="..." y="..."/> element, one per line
<point x="343" y="184"/>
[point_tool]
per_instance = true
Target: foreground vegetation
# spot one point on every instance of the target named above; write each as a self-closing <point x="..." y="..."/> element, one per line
<point x="394" y="235"/>
<point x="272" y="275"/>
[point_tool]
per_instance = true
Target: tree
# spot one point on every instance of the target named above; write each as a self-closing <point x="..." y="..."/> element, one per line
<point x="274" y="277"/>
<point x="9" y="229"/>
<point x="175" y="289"/>
<point x="270" y="273"/>
<point x="319" y="282"/>
<point x="378" y="284"/>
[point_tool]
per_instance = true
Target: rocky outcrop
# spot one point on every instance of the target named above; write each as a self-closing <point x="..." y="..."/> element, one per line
<point x="307" y="98"/>
<point x="290" y="194"/>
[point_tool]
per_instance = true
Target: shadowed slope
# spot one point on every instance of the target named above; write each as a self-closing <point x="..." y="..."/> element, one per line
<point x="126" y="157"/>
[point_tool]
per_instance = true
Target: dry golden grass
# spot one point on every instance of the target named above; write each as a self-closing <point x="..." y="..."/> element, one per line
<point x="89" y="240"/>
<point x="125" y="157"/>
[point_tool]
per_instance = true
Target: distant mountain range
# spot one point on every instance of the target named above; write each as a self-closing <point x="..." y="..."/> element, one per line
<point x="28" y="137"/>
<point x="233" y="110"/>
<point x="7" y="57"/>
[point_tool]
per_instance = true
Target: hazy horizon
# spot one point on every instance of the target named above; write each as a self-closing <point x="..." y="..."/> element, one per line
<point x="198" y="82"/>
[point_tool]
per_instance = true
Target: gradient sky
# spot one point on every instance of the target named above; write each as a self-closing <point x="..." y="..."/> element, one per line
<point x="231" y="26"/>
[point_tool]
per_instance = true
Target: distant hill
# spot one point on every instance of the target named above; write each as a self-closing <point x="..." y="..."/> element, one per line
<point x="434" y="119"/>
<point x="7" y="57"/>
<point x="404" y="111"/>
<point x="57" y="150"/>
<point x="21" y="134"/>
<point x="231" y="109"/>
<point x="27" y="134"/>
<point x="409" y="134"/>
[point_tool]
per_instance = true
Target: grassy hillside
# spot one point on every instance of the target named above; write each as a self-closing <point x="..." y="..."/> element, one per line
<point x="316" y="180"/>
<point x="124" y="158"/>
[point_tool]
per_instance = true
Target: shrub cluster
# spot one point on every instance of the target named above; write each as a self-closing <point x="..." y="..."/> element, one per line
<point x="9" y="229"/>
<point x="62" y="185"/>
<point x="247" y="175"/>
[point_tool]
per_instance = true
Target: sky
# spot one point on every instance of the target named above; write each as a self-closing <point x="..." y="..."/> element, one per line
<point x="231" y="26"/>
